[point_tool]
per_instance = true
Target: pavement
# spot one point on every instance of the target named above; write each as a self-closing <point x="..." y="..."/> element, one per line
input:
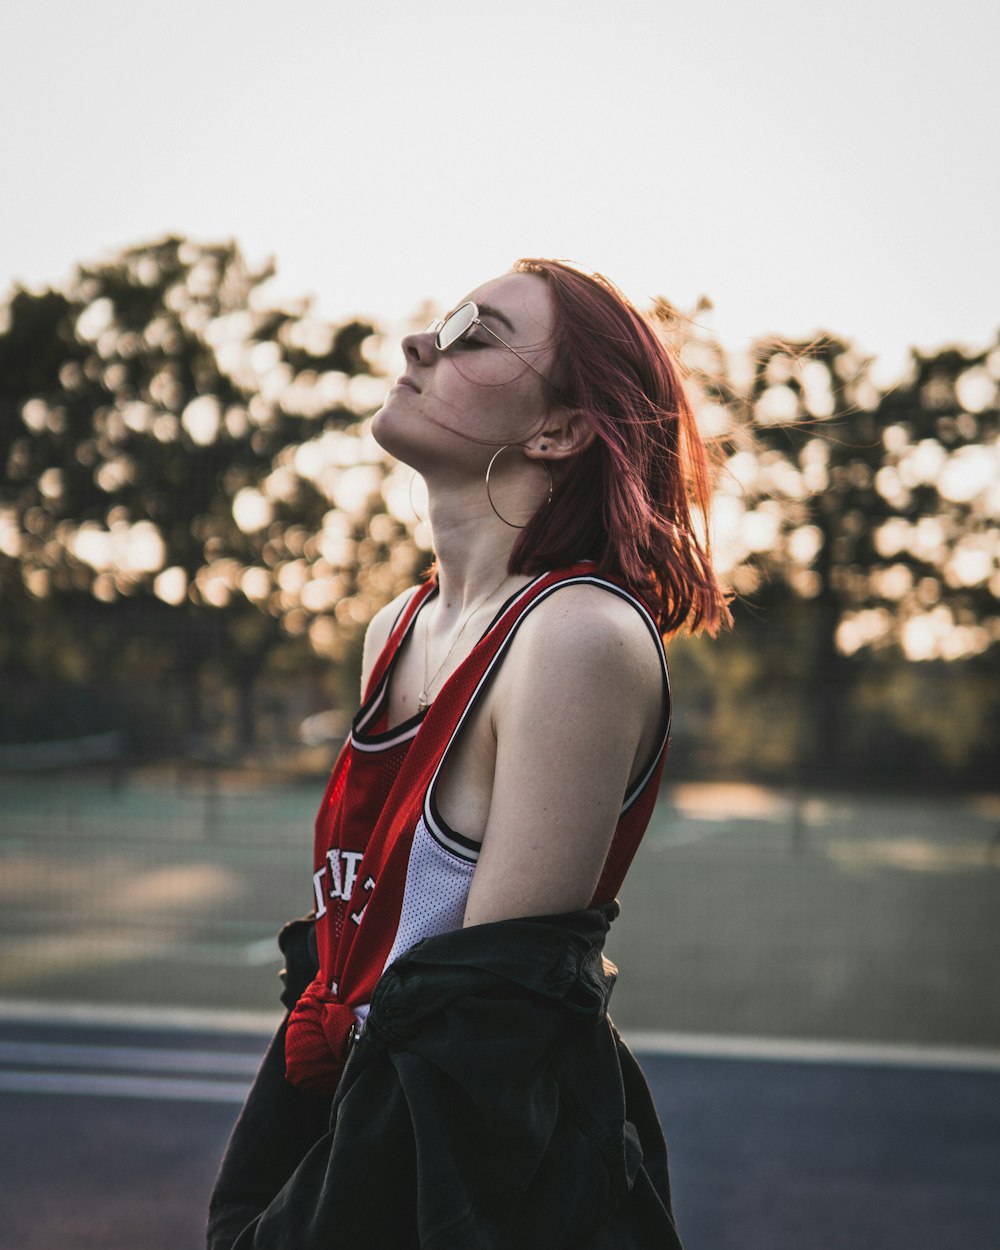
<point x="809" y="979"/>
<point x="110" y="1138"/>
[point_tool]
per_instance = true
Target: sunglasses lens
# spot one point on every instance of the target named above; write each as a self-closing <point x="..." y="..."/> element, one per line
<point x="456" y="325"/>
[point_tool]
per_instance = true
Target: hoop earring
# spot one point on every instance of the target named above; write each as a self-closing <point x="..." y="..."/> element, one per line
<point x="489" y="496"/>
<point x="413" y="478"/>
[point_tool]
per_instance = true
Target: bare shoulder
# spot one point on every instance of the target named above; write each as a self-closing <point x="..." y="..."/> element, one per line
<point x="378" y="631"/>
<point x="586" y="642"/>
<point x="577" y="715"/>
<point x="586" y="624"/>
<point x="380" y="626"/>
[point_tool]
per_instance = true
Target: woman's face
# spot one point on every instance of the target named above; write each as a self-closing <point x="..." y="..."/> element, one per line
<point x="453" y="409"/>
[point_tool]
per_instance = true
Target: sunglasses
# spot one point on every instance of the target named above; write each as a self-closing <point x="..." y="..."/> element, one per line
<point x="460" y="324"/>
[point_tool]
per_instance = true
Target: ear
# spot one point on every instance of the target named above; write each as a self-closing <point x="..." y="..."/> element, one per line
<point x="567" y="432"/>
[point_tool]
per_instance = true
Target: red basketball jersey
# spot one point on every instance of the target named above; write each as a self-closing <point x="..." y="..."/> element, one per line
<point x="388" y="869"/>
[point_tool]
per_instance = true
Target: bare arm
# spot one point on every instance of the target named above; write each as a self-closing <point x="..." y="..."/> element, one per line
<point x="577" y="712"/>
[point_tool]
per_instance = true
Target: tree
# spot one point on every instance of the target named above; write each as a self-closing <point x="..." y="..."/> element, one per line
<point x="861" y="523"/>
<point x="194" y="507"/>
<point x="190" y="483"/>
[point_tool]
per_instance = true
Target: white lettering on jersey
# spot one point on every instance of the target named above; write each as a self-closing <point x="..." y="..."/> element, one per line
<point x="351" y="861"/>
<point x="319" y="892"/>
<point x="342" y="867"/>
<point x="336" y="883"/>
<point x="356" y="915"/>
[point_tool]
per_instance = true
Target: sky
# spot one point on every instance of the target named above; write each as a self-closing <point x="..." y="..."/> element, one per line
<point x="805" y="166"/>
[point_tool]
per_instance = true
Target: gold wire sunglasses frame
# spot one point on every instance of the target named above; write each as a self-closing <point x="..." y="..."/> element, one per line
<point x="460" y="324"/>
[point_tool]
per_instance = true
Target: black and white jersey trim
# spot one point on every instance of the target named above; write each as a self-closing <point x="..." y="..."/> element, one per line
<point x="442" y="833"/>
<point x="372" y="708"/>
<point x="436" y="825"/>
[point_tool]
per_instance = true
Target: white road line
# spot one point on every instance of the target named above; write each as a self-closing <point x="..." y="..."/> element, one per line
<point x="127" y="1058"/>
<point x="720" y="1046"/>
<point x="122" y="1087"/>
<point x="114" y="1015"/>
<point x="793" y="1050"/>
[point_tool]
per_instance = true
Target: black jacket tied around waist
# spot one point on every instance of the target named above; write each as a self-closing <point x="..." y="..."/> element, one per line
<point x="488" y="1103"/>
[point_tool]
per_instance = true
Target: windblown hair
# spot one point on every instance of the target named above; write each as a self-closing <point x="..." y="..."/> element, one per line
<point x="627" y="501"/>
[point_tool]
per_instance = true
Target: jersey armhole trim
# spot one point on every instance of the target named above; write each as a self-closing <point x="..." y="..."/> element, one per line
<point x="436" y="824"/>
<point x="372" y="707"/>
<point x="457" y="844"/>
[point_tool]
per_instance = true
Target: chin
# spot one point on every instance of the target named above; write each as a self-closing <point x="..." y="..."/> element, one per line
<point x="382" y="420"/>
<point x="389" y="430"/>
<point x="382" y="429"/>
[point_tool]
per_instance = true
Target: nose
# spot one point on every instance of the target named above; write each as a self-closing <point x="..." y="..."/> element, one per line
<point x="419" y="348"/>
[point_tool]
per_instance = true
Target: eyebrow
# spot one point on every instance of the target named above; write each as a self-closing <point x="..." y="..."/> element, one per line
<point x="486" y="310"/>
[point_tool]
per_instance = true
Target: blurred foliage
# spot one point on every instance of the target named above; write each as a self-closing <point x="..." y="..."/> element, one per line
<point x="859" y="528"/>
<point x="191" y="497"/>
<point x="196" y="525"/>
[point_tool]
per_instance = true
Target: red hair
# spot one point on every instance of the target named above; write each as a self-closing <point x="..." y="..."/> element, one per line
<point x="627" y="500"/>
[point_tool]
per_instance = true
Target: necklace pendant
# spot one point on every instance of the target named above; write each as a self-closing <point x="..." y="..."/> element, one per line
<point x="422" y="701"/>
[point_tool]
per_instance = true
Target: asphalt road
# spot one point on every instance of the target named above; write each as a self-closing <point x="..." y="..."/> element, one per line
<point x="110" y="1137"/>
<point x="847" y="919"/>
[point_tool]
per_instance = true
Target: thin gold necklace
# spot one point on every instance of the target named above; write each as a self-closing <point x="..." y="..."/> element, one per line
<point x="423" y="700"/>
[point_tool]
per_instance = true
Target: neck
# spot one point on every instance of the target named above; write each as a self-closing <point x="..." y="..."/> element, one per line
<point x="472" y="547"/>
<point x="472" y="542"/>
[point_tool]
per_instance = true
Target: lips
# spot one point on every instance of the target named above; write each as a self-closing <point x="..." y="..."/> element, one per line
<point x="405" y="380"/>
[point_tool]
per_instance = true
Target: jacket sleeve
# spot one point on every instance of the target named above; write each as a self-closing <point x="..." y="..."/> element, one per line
<point x="278" y="1124"/>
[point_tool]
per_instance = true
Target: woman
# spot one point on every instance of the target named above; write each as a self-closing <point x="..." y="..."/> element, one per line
<point x="449" y="1077"/>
